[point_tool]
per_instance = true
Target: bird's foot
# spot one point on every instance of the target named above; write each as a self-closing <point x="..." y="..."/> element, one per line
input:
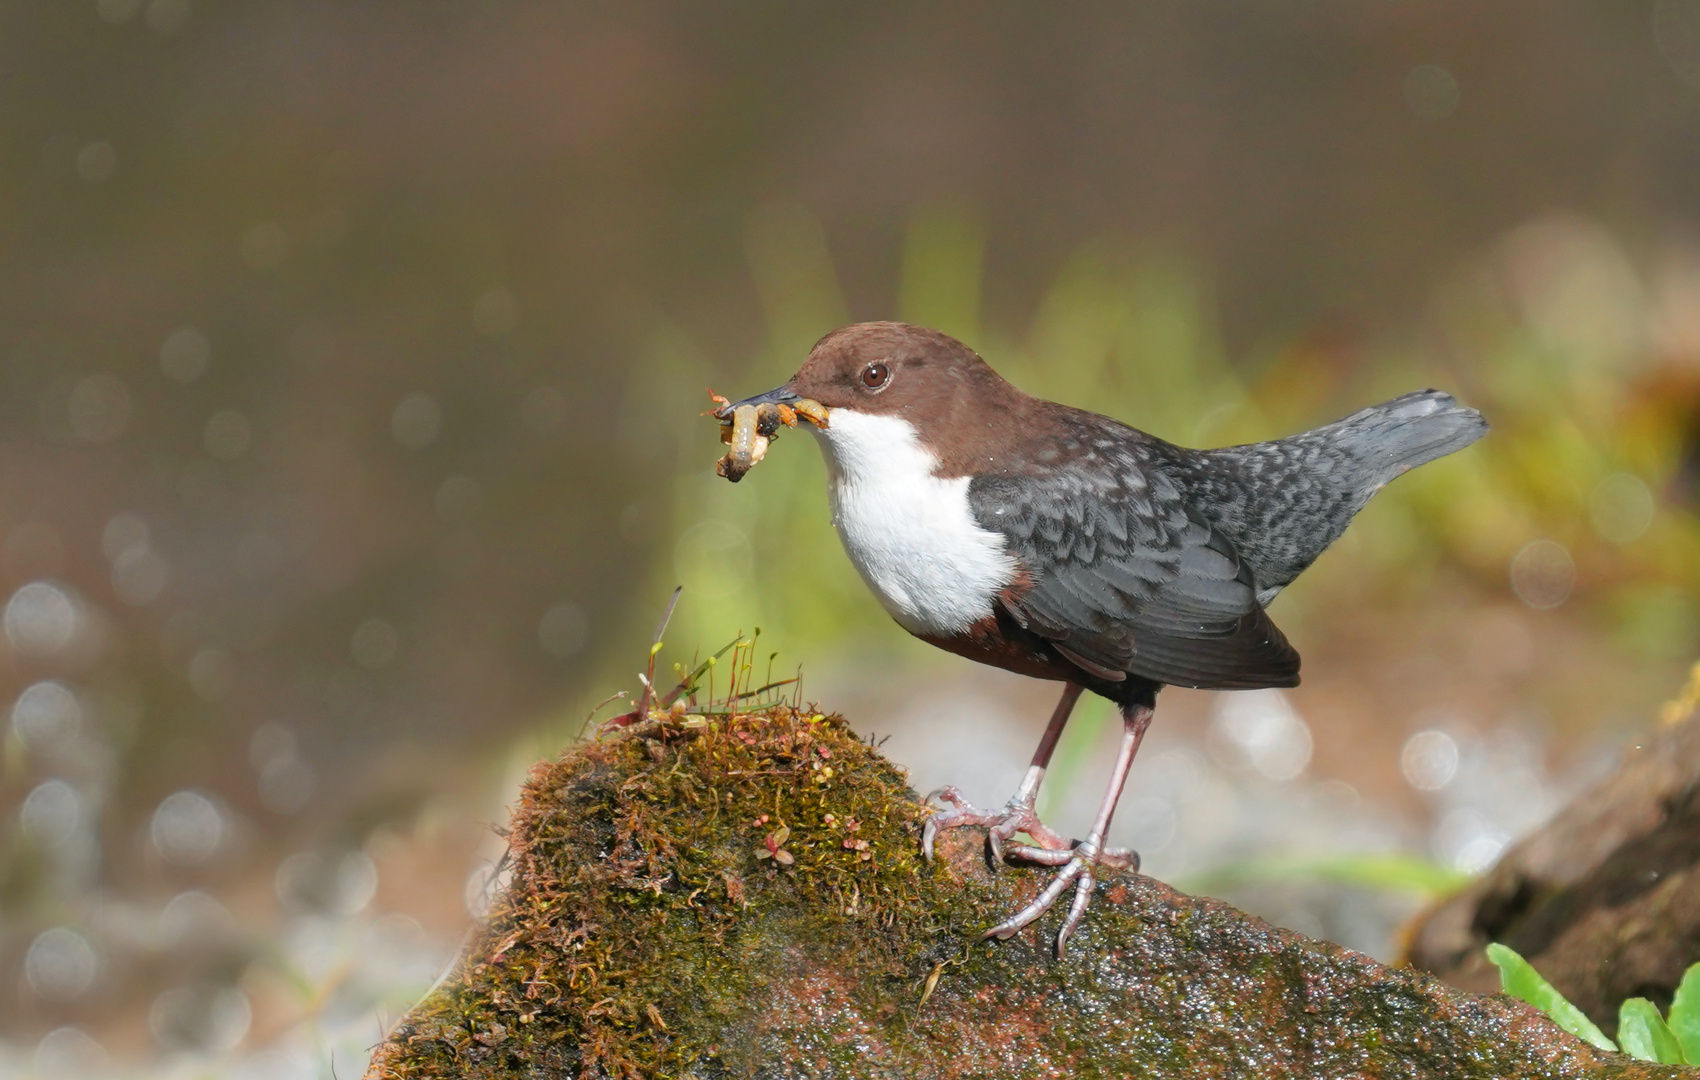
<point x="1074" y="868"/>
<point x="1117" y="858"/>
<point x="1016" y="816"/>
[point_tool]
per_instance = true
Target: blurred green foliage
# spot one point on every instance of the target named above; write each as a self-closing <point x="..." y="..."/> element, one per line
<point x="1589" y="432"/>
<point x="1384" y="870"/>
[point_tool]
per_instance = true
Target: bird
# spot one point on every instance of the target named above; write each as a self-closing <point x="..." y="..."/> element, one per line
<point x="1065" y="545"/>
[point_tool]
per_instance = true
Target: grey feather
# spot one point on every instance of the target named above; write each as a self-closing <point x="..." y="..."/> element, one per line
<point x="1282" y="503"/>
<point x="1157" y="560"/>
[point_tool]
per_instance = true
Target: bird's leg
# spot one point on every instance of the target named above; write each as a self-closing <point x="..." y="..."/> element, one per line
<point x="1077" y="866"/>
<point x="1017" y="815"/>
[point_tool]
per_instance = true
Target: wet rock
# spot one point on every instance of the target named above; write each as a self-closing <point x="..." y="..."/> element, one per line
<point x="1604" y="900"/>
<point x="650" y="929"/>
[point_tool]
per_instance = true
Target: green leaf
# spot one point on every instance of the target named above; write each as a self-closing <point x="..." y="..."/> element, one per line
<point x="1521" y="981"/>
<point x="1642" y="1033"/>
<point x="1685" y="1015"/>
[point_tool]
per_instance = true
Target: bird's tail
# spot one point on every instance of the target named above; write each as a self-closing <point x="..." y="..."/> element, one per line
<point x="1387" y="439"/>
<point x="1281" y="503"/>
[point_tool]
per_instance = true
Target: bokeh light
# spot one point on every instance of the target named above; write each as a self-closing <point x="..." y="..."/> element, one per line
<point x="1542" y="574"/>
<point x="41" y="619"/>
<point x="188" y="828"/>
<point x="1259" y="730"/>
<point x="46" y="716"/>
<point x="1429" y="760"/>
<point x="50" y="813"/>
<point x="213" y="1019"/>
<point x="61" y="965"/>
<point x="69" y="1051"/>
<point x="1621" y="508"/>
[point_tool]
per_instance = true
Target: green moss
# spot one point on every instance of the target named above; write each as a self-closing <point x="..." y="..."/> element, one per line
<point x="744" y="896"/>
<point x="622" y="943"/>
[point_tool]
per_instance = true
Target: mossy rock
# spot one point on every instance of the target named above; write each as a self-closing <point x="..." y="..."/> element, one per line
<point x="744" y="897"/>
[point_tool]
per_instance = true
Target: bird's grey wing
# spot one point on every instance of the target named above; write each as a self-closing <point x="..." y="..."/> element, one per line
<point x="1121" y="575"/>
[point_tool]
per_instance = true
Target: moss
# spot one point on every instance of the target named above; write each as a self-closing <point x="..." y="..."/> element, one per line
<point x="744" y="897"/>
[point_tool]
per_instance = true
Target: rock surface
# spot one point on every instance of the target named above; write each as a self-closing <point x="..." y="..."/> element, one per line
<point x="743" y="897"/>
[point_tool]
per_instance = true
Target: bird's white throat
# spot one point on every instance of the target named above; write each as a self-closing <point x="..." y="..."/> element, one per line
<point x="911" y="534"/>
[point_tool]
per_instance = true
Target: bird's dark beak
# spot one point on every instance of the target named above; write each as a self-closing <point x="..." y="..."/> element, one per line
<point x="780" y="396"/>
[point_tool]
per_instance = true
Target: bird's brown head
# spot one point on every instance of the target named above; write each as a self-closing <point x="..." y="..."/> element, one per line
<point x="886" y="368"/>
<point x="891" y="368"/>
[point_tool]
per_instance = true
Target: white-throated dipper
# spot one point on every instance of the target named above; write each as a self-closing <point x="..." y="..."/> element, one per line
<point x="1065" y="545"/>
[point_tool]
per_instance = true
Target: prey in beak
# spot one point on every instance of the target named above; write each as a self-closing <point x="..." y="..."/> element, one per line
<point x="748" y="426"/>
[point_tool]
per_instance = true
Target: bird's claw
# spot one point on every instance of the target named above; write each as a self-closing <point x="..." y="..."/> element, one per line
<point x="1016" y="816"/>
<point x="1076" y="861"/>
<point x="1115" y="858"/>
<point x="1075" y="865"/>
<point x="1076" y="869"/>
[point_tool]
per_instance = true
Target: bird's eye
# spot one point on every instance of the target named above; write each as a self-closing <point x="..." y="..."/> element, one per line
<point x="875" y="376"/>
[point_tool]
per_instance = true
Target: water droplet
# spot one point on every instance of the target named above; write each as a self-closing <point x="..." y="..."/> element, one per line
<point x="69" y="1051"/>
<point x="60" y="965"/>
<point x="46" y="716"/>
<point x="50" y="814"/>
<point x="188" y="828"/>
<point x="1260" y="731"/>
<point x="203" y="1018"/>
<point x="192" y="915"/>
<point x="41" y="619"/>
<point x="1429" y="760"/>
<point x="1542" y="574"/>
<point x="1466" y="839"/>
<point x="1621" y="508"/>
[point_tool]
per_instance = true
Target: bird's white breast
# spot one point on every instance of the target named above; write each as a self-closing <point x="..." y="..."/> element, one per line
<point x="911" y="534"/>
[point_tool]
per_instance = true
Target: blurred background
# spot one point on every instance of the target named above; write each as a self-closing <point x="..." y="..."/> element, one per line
<point x="352" y="361"/>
